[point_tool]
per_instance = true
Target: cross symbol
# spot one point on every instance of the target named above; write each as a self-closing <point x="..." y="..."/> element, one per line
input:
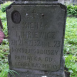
<point x="33" y="13"/>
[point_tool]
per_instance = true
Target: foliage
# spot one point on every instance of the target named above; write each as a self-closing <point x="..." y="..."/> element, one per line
<point x="3" y="16"/>
<point x="5" y="42"/>
<point x="5" y="69"/>
<point x="4" y="23"/>
<point x="3" y="6"/>
<point x="70" y="43"/>
<point x="13" y="73"/>
<point x="5" y="28"/>
<point x="4" y="51"/>
<point x="72" y="10"/>
<point x="71" y="63"/>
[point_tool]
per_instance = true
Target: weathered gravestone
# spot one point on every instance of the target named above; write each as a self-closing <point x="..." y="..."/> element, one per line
<point x="1" y="2"/>
<point x="36" y="35"/>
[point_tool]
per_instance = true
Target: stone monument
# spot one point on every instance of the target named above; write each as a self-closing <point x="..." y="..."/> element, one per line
<point x="1" y="2"/>
<point x="36" y="35"/>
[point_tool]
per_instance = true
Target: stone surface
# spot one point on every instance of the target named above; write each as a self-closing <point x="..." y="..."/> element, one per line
<point x="1" y="2"/>
<point x="30" y="0"/>
<point x="36" y="35"/>
<point x="36" y="0"/>
<point x="61" y="1"/>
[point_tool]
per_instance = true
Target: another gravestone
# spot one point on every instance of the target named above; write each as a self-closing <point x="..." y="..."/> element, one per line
<point x="1" y="2"/>
<point x="36" y="35"/>
<point x="61" y="1"/>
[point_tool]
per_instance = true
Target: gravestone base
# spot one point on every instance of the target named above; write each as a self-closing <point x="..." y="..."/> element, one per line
<point x="37" y="73"/>
<point x="59" y="73"/>
<point x="55" y="74"/>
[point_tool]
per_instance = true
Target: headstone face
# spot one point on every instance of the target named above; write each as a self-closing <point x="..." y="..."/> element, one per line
<point x="36" y="35"/>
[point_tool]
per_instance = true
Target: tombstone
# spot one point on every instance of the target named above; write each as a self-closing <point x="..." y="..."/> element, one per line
<point x="74" y="2"/>
<point x="36" y="35"/>
<point x="61" y="1"/>
<point x="68" y="2"/>
<point x="1" y="2"/>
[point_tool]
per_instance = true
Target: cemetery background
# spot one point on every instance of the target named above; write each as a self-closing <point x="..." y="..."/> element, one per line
<point x="70" y="46"/>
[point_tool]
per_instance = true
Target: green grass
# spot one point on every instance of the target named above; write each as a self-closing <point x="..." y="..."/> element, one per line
<point x="70" y="45"/>
<point x="4" y="51"/>
<point x="71" y="36"/>
<point x="71" y="64"/>
<point x="5" y="70"/>
<point x="3" y="16"/>
<point x="4" y="21"/>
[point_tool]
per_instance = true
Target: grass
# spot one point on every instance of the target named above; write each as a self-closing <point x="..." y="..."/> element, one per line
<point x="5" y="70"/>
<point x="71" y="36"/>
<point x="4" y="51"/>
<point x="3" y="19"/>
<point x="71" y="63"/>
<point x="70" y="47"/>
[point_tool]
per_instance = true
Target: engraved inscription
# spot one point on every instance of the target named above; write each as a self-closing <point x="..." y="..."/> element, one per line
<point x="30" y="37"/>
<point x="34" y="25"/>
<point x="35" y="51"/>
<point x="25" y="64"/>
<point x="28" y="58"/>
<point x="36" y="43"/>
<point x="45" y="35"/>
